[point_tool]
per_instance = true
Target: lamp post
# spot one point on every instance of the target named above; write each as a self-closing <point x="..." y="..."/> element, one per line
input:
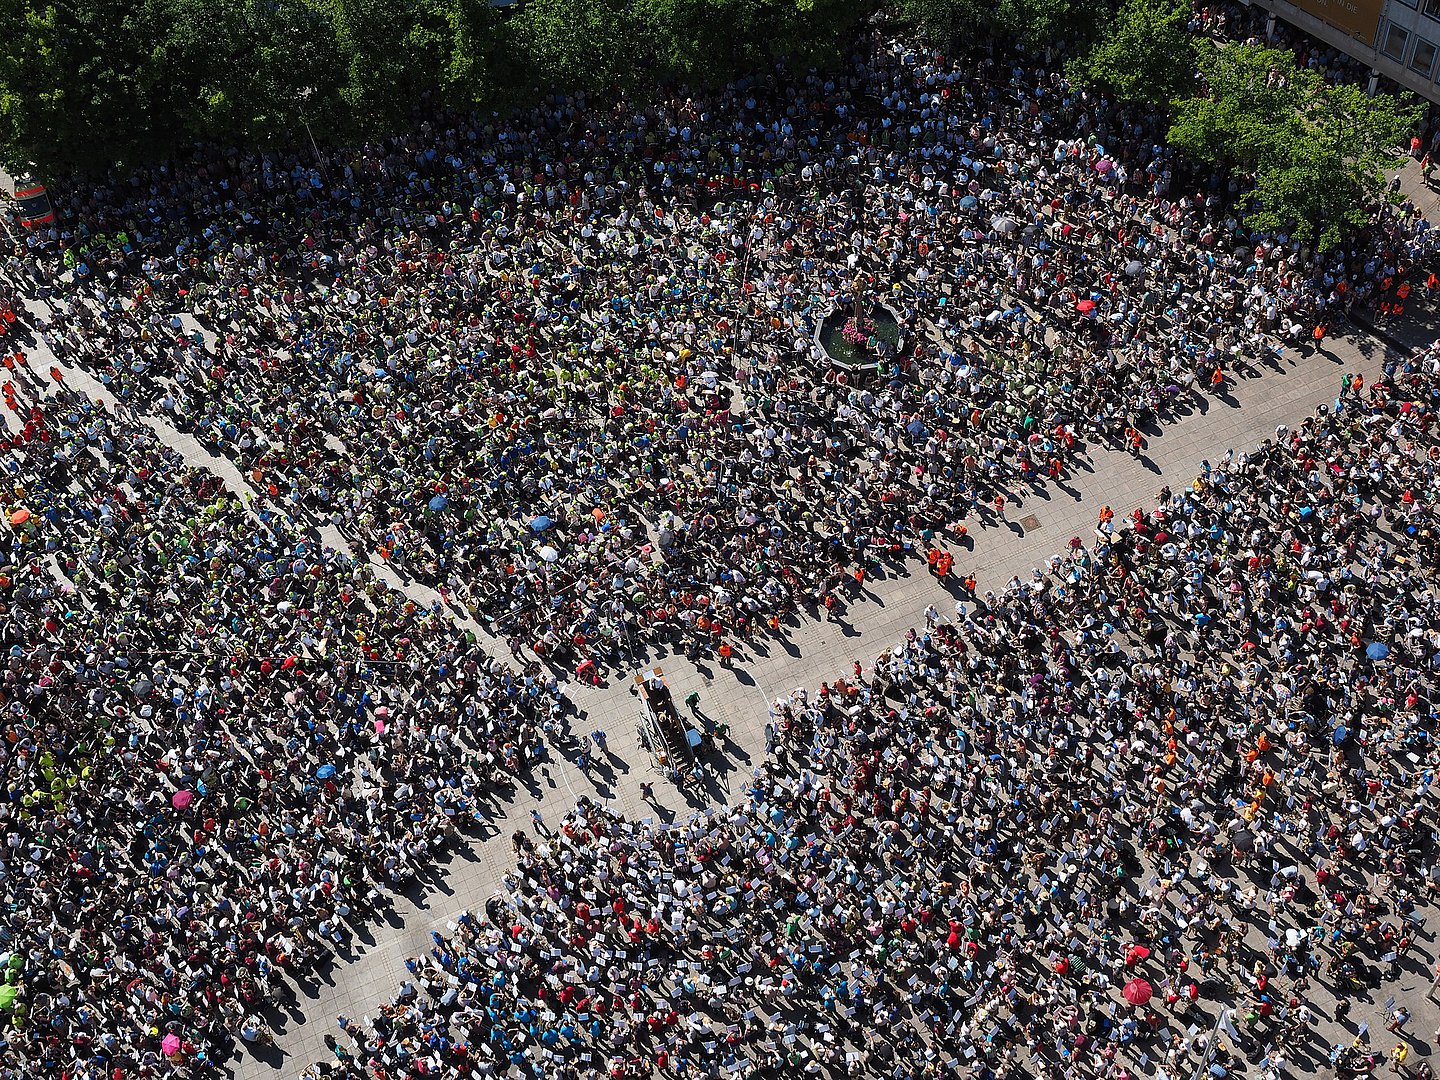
<point x="304" y="95"/>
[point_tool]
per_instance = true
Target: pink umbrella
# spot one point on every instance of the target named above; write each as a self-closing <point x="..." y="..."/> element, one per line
<point x="181" y="799"/>
<point x="1137" y="991"/>
<point x="170" y="1044"/>
<point x="1104" y="165"/>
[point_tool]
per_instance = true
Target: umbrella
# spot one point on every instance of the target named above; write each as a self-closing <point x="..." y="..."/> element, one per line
<point x="325" y="772"/>
<point x="969" y="202"/>
<point x="540" y="523"/>
<point x="549" y="554"/>
<point x="1004" y="225"/>
<point x="8" y="994"/>
<point x="1244" y="840"/>
<point x="1339" y="735"/>
<point x="1133" y="268"/>
<point x="19" y="517"/>
<point x="1377" y="650"/>
<point x="438" y="503"/>
<point x="170" y="1044"/>
<point x="1137" y="991"/>
<point x="181" y="799"/>
<point x="1085" y="307"/>
<point x="1104" y="165"/>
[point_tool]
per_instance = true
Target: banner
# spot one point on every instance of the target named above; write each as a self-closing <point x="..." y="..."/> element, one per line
<point x="1358" y="18"/>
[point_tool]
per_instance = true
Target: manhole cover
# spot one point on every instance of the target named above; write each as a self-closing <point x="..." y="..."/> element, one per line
<point x="1029" y="521"/>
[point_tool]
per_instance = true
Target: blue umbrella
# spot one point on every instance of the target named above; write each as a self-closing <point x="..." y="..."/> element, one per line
<point x="1377" y="650"/>
<point x="325" y="772"/>
<point x="540" y="523"/>
<point x="1339" y="735"/>
<point x="438" y="503"/>
<point x="969" y="202"/>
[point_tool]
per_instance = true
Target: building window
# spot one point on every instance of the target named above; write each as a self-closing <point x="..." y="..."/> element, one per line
<point x="1424" y="58"/>
<point x="1432" y="8"/>
<point x="1396" y="38"/>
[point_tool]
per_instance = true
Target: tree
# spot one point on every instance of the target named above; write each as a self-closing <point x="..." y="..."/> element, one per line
<point x="72" y="98"/>
<point x="397" y="54"/>
<point x="1145" y="53"/>
<point x="67" y="89"/>
<point x="945" y="20"/>
<point x="1035" y="24"/>
<point x="1315" y="153"/>
<point x="1045" y="24"/>
<point x="276" y="67"/>
<point x="584" y="44"/>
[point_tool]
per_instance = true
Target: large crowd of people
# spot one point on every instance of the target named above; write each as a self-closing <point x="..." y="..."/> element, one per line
<point x="224" y="745"/>
<point x="1188" y="765"/>
<point x="560" y="366"/>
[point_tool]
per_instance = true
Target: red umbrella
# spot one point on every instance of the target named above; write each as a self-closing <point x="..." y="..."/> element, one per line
<point x="1137" y="991"/>
<point x="1085" y="307"/>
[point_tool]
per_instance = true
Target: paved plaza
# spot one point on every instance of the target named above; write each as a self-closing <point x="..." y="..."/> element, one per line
<point x="1036" y="524"/>
<point x="373" y="968"/>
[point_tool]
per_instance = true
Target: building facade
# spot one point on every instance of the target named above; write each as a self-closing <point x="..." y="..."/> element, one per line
<point x="1400" y="39"/>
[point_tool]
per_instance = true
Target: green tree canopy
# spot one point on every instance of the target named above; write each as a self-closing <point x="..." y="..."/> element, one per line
<point x="945" y="20"/>
<point x="1316" y="153"/>
<point x="1036" y="24"/>
<point x="251" y="71"/>
<point x="1145" y="53"/>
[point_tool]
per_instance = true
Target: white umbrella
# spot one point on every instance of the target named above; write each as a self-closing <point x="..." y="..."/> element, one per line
<point x="549" y="554"/>
<point x="1133" y="268"/>
<point x="1004" y="225"/>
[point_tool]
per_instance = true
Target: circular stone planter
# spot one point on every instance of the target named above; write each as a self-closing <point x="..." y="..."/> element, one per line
<point x="843" y="355"/>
